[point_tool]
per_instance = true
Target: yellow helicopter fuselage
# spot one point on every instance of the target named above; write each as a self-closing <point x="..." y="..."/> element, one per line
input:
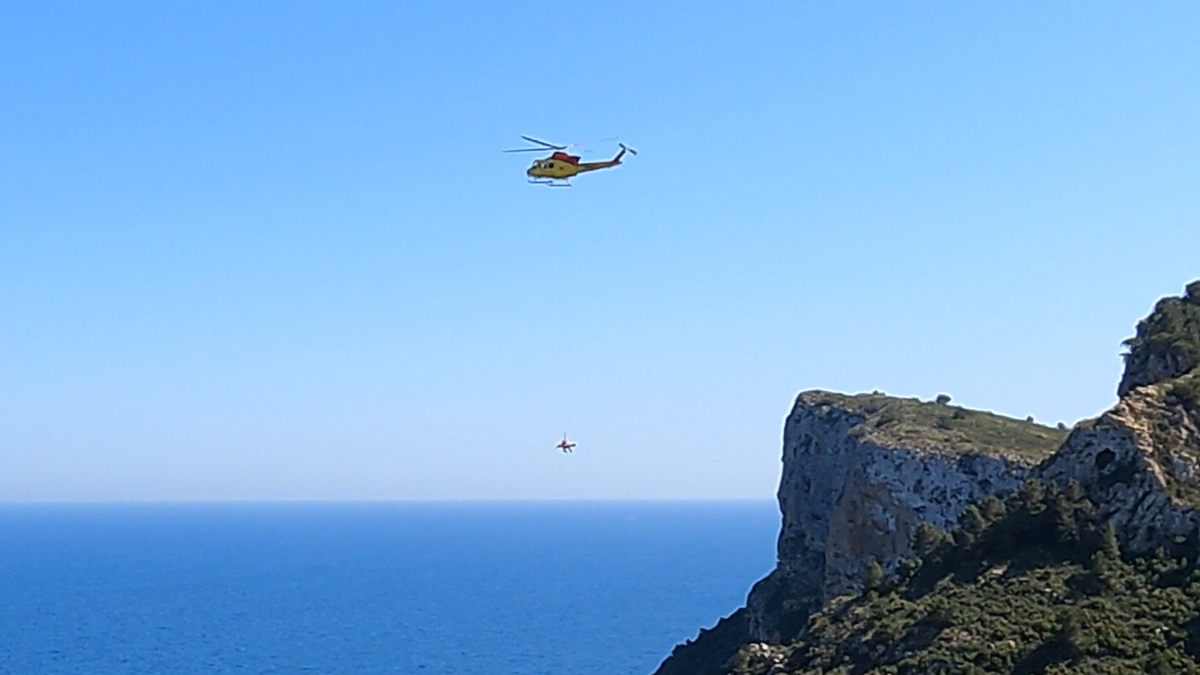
<point x="556" y="168"/>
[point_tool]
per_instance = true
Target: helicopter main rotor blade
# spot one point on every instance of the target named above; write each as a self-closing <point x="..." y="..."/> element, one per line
<point x="527" y="150"/>
<point x="548" y="145"/>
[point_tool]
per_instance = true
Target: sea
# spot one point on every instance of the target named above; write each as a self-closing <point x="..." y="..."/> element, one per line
<point x="469" y="588"/>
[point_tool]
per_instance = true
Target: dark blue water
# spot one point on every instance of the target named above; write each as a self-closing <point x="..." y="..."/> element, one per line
<point x="469" y="589"/>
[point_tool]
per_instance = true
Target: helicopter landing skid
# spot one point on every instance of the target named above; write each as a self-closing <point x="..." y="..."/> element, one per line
<point x="550" y="183"/>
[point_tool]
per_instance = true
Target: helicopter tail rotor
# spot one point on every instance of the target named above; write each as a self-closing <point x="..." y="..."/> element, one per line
<point x="628" y="149"/>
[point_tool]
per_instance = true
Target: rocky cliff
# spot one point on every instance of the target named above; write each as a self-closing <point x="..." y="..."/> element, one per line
<point x="860" y="473"/>
<point x="1140" y="461"/>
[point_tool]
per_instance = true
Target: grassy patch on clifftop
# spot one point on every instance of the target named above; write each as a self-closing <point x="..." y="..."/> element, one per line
<point x="950" y="429"/>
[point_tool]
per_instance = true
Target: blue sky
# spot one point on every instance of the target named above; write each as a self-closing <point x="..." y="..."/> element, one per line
<point x="272" y="250"/>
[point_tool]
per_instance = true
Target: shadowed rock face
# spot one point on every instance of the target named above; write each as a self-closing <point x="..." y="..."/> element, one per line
<point x="712" y="652"/>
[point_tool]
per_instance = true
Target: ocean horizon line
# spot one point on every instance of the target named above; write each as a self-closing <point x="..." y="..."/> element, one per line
<point x="421" y="501"/>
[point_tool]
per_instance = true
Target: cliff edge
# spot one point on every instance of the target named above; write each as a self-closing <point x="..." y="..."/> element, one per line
<point x="860" y="473"/>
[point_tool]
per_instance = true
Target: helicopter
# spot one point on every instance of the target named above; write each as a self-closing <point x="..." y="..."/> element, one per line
<point x="557" y="169"/>
<point x="565" y="445"/>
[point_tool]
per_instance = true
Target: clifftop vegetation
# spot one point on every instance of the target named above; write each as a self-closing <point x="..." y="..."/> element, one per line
<point x="1167" y="343"/>
<point x="941" y="427"/>
<point x="1032" y="584"/>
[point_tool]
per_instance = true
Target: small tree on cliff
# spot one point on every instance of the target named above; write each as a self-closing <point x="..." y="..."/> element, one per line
<point x="972" y="521"/>
<point x="1032" y="497"/>
<point x="927" y="539"/>
<point x="872" y="576"/>
<point x="992" y="509"/>
<point x="1110" y="546"/>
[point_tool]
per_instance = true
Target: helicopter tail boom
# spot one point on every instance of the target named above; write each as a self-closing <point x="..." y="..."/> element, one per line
<point x="615" y="161"/>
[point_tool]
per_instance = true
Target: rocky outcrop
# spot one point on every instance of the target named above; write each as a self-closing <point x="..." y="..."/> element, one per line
<point x="1138" y="463"/>
<point x="712" y="651"/>
<point x="1167" y="343"/>
<point x="860" y="473"/>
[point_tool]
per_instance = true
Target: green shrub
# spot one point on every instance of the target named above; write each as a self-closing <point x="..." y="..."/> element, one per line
<point x="1040" y="587"/>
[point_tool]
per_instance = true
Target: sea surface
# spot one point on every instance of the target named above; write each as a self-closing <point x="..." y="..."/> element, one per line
<point x="569" y="588"/>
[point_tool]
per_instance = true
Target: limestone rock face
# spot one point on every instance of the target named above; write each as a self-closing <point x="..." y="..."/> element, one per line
<point x="850" y="497"/>
<point x="860" y="473"/>
<point x="1138" y="463"/>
